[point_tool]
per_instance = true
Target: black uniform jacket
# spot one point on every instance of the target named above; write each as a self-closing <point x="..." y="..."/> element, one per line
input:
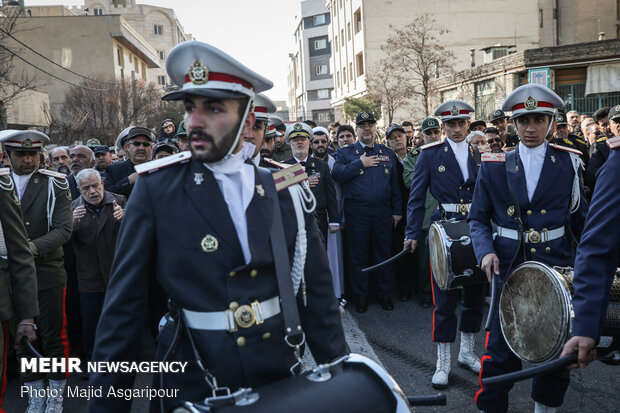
<point x="117" y="177"/>
<point x="208" y="277"/>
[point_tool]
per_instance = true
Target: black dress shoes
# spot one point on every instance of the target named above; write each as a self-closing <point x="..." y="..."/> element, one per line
<point x="404" y="297"/>
<point x="361" y="306"/>
<point x="386" y="303"/>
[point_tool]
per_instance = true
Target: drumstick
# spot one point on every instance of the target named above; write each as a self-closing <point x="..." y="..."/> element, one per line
<point x="487" y="325"/>
<point x="531" y="372"/>
<point x="388" y="261"/>
<point x="28" y="346"/>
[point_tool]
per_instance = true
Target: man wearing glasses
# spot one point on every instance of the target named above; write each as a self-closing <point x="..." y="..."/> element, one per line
<point x="493" y="139"/>
<point x="121" y="176"/>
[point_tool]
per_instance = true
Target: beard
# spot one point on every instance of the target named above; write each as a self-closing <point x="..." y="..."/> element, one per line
<point x="63" y="169"/>
<point x="266" y="153"/>
<point x="216" y="152"/>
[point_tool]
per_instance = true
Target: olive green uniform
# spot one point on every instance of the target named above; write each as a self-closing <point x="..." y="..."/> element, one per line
<point x="18" y="281"/>
<point x="47" y="232"/>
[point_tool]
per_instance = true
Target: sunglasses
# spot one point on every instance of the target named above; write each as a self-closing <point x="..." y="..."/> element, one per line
<point x="430" y="132"/>
<point x="490" y="141"/>
<point x="138" y="143"/>
<point x="319" y="141"/>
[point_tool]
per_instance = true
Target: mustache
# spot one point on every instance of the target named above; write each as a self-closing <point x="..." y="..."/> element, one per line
<point x="200" y="135"/>
<point x="76" y="163"/>
<point x="64" y="169"/>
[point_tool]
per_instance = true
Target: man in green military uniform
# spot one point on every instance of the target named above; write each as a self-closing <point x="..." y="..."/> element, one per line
<point x="46" y="207"/>
<point x="18" y="281"/>
<point x="431" y="130"/>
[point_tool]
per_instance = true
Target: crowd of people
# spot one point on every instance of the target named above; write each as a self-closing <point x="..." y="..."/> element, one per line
<point x="371" y="196"/>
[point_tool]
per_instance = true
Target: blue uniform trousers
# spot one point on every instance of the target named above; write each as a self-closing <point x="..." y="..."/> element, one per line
<point x="444" y="317"/>
<point x="499" y="359"/>
<point x="369" y="230"/>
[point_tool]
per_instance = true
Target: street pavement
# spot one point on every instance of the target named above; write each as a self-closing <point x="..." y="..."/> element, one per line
<point x="400" y="340"/>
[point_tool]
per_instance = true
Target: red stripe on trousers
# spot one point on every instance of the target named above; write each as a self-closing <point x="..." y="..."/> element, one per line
<point x="5" y="330"/>
<point x="63" y="332"/>
<point x="433" y="292"/>
<point x="486" y="341"/>
<point x="482" y="360"/>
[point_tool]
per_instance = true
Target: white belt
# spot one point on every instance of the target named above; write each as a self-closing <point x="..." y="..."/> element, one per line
<point x="461" y="208"/>
<point x="243" y="316"/>
<point x="531" y="236"/>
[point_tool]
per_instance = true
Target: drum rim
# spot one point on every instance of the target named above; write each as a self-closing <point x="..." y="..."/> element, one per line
<point x="444" y="245"/>
<point x="565" y="305"/>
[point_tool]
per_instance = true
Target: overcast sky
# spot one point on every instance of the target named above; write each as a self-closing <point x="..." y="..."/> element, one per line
<point x="259" y="33"/>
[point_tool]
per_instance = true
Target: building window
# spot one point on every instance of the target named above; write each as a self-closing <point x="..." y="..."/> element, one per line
<point x="321" y="69"/>
<point x="341" y="37"/>
<point x="143" y="71"/>
<point x="318" y="20"/>
<point x="540" y="18"/>
<point x="322" y="94"/>
<point x="485" y="98"/>
<point x="351" y="70"/>
<point x="320" y="44"/>
<point x="349" y="31"/>
<point x="158" y="29"/>
<point x="344" y="75"/>
<point x="359" y="63"/>
<point x="119" y="56"/>
<point x="336" y="43"/>
<point x="136" y="65"/>
<point x="98" y="12"/>
<point x="161" y="80"/>
<point x="357" y="18"/>
<point x="337" y="79"/>
<point x="162" y="54"/>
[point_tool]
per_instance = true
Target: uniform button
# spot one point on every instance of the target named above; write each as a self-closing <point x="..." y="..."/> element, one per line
<point x="27" y="223"/>
<point x="533" y="250"/>
<point x="361" y="172"/>
<point x="233" y="306"/>
<point x="232" y="274"/>
<point x="461" y="201"/>
<point x="543" y="211"/>
<point x="469" y="188"/>
<point x="547" y="249"/>
<point x="241" y="341"/>
<point x="267" y="336"/>
<point x="529" y="212"/>
<point x="253" y="273"/>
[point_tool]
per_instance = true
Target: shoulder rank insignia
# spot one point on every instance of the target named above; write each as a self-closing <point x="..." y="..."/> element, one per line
<point x="5" y="171"/>
<point x="383" y="158"/>
<point x="53" y="174"/>
<point x="158" y="164"/>
<point x="430" y="145"/>
<point x="290" y="176"/>
<point x="568" y="142"/>
<point x="603" y="139"/>
<point x="614" y="143"/>
<point x="277" y="164"/>
<point x="565" y="149"/>
<point x="493" y="157"/>
<point x="579" y="140"/>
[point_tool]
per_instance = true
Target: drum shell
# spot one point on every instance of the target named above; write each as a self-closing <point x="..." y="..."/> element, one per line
<point x="459" y="266"/>
<point x="536" y="316"/>
<point x="352" y="387"/>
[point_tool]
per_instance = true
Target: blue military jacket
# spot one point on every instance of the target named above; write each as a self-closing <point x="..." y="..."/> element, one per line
<point x="208" y="277"/>
<point x="548" y="209"/>
<point x="438" y="170"/>
<point x="375" y="187"/>
<point x="597" y="254"/>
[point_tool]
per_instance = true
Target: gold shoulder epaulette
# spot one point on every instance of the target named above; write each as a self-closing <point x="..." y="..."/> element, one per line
<point x="567" y="141"/>
<point x="430" y="145"/>
<point x="614" y="143"/>
<point x="493" y="157"/>
<point x="5" y="171"/>
<point x="565" y="149"/>
<point x="52" y="173"/>
<point x="289" y="176"/>
<point x="158" y="164"/>
<point x="603" y="139"/>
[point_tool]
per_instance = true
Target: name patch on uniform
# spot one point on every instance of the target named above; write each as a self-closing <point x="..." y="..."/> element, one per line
<point x="493" y="157"/>
<point x="565" y="149"/>
<point x="383" y="158"/>
<point x="5" y="171"/>
<point x="52" y="173"/>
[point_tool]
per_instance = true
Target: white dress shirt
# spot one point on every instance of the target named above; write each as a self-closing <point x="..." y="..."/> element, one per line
<point x="236" y="181"/>
<point x="533" y="160"/>
<point x="21" y="181"/>
<point x="461" y="152"/>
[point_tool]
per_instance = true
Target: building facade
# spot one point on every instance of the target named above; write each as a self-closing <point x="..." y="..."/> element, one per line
<point x="159" y="26"/>
<point x="584" y="75"/>
<point x="310" y="81"/>
<point x="88" y="46"/>
<point x="479" y="31"/>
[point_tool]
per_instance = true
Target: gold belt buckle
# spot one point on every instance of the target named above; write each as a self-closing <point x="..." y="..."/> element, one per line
<point x="244" y="316"/>
<point x="463" y="208"/>
<point x="534" y="237"/>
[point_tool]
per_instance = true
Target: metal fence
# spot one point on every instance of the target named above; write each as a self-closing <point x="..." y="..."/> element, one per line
<point x="575" y="99"/>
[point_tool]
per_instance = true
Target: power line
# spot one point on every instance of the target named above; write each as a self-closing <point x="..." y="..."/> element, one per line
<point x="51" y="75"/>
<point x="50" y="60"/>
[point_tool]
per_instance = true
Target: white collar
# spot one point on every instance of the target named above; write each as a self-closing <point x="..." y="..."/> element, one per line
<point x="301" y="160"/>
<point x="232" y="164"/>
<point x="457" y="146"/>
<point x="537" y="151"/>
